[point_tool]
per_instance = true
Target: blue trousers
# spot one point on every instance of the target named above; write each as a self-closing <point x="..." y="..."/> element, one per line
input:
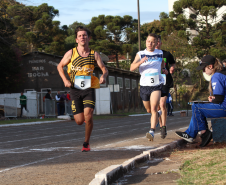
<point x="201" y="111"/>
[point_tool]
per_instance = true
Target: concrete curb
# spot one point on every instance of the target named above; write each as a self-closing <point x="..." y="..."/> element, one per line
<point x="114" y="172"/>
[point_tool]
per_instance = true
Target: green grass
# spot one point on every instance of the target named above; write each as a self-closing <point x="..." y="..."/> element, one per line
<point x="204" y="167"/>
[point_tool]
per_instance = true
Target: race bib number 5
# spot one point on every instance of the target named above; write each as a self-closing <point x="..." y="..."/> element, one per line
<point x="82" y="82"/>
<point x="152" y="79"/>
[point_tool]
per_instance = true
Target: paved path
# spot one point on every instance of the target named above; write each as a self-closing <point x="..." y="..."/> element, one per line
<point x="50" y="153"/>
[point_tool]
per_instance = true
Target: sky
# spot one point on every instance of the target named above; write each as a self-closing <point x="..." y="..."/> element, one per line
<point x="83" y="10"/>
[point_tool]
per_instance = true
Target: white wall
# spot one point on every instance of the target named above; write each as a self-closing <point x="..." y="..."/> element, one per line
<point x="103" y="101"/>
<point x="29" y="95"/>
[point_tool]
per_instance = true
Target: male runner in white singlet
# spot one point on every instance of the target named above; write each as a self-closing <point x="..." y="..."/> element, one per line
<point x="150" y="63"/>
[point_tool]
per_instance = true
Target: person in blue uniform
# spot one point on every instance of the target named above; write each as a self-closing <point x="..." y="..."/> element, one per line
<point x="217" y="102"/>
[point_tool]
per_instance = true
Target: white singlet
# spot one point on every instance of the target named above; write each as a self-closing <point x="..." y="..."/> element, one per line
<point x="151" y="69"/>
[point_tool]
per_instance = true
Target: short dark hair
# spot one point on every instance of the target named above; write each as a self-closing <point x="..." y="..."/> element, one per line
<point x="153" y="35"/>
<point x="82" y="28"/>
<point x="159" y="37"/>
<point x="48" y="90"/>
<point x="224" y="61"/>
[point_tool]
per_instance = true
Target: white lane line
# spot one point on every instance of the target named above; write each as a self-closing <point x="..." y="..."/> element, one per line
<point x="71" y="140"/>
<point x="29" y="123"/>
<point x="68" y="134"/>
<point x="150" y="114"/>
<point x="35" y="162"/>
<point x="44" y="160"/>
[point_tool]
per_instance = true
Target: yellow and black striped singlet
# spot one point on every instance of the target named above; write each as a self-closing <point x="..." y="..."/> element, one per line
<point x="82" y="66"/>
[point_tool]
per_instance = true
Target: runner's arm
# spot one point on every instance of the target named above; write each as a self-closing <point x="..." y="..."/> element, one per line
<point x="102" y="67"/>
<point x="137" y="62"/>
<point x="172" y="68"/>
<point x="65" y="60"/>
<point x="164" y="70"/>
<point x="172" y="63"/>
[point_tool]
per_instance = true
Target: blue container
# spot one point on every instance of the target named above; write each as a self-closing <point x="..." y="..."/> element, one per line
<point x="219" y="129"/>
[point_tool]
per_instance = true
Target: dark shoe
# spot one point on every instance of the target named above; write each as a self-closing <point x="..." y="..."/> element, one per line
<point x="163" y="132"/>
<point x="206" y="137"/>
<point x="184" y="136"/>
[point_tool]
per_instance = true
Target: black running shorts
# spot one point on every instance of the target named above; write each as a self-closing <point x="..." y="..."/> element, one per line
<point x="165" y="91"/>
<point x="145" y="91"/>
<point x="82" y="99"/>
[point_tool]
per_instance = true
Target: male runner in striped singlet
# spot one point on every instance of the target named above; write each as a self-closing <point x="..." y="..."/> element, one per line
<point x="150" y="63"/>
<point x="80" y="62"/>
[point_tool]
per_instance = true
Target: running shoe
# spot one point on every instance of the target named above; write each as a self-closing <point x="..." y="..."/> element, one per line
<point x="184" y="136"/>
<point x="86" y="147"/>
<point x="150" y="135"/>
<point x="206" y="137"/>
<point x="163" y="132"/>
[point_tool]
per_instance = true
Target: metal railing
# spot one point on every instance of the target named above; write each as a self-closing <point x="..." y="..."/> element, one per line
<point x="50" y="108"/>
<point x="68" y="109"/>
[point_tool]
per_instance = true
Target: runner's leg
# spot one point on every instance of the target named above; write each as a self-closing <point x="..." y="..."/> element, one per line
<point x="154" y="98"/>
<point x="88" y="114"/>
<point x="164" y="111"/>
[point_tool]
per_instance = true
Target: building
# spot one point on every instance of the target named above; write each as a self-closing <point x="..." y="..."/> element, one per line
<point x="189" y="11"/>
<point x="40" y="73"/>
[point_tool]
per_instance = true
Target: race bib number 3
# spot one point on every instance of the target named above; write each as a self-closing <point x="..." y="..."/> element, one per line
<point x="152" y="79"/>
<point x="82" y="82"/>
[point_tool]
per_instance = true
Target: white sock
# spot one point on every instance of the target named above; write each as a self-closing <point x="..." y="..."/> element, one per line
<point x="159" y="113"/>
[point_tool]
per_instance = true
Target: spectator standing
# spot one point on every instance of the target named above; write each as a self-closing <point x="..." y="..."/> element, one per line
<point x="63" y="98"/>
<point x="48" y="95"/>
<point x="23" y="103"/>
<point x="57" y="97"/>
<point x="48" y="106"/>
<point x="169" y="105"/>
<point x="68" y="96"/>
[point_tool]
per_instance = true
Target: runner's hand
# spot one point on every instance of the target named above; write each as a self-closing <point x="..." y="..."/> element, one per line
<point x="102" y="80"/>
<point x="145" y="59"/>
<point x="165" y="71"/>
<point x="67" y="83"/>
<point x="171" y="70"/>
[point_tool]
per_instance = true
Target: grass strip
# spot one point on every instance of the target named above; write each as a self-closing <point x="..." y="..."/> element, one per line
<point x="204" y="167"/>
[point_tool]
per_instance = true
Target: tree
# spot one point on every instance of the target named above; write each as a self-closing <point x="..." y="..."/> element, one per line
<point x="36" y="29"/>
<point x="9" y="55"/>
<point x="207" y="35"/>
<point x="152" y="27"/>
<point x="110" y="33"/>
